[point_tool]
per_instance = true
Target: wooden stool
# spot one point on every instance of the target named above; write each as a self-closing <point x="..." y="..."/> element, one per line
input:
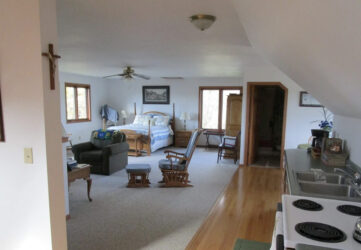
<point x="138" y="175"/>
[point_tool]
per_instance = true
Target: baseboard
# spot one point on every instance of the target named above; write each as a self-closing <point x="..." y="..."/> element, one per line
<point x="67" y="217"/>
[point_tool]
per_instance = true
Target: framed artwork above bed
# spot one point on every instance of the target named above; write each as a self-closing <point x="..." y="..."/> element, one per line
<point x="2" y="135"/>
<point x="155" y="94"/>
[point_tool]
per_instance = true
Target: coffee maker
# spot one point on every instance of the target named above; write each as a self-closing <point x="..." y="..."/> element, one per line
<point x="318" y="135"/>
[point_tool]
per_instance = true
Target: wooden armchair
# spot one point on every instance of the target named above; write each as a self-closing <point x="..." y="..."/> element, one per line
<point x="229" y="147"/>
<point x="175" y="167"/>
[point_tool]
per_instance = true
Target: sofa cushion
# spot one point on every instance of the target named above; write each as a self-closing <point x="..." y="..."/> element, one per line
<point x="138" y="168"/>
<point x="91" y="156"/>
<point x="99" y="144"/>
<point x="165" y="164"/>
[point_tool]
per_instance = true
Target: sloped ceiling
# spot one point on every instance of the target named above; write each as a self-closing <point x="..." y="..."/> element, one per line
<point x="315" y="42"/>
<point x="99" y="38"/>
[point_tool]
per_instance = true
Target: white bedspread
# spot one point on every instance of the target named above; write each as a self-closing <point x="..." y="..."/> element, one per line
<point x="160" y="136"/>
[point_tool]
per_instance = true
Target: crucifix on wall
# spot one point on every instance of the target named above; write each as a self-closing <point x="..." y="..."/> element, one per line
<point x="52" y="64"/>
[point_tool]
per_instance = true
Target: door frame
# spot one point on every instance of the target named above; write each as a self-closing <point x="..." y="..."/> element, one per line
<point x="248" y="114"/>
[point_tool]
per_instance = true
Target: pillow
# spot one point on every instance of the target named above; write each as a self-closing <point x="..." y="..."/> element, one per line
<point x="146" y="120"/>
<point x="162" y="120"/>
<point x="103" y="134"/>
<point x="138" y="119"/>
<point x="141" y="119"/>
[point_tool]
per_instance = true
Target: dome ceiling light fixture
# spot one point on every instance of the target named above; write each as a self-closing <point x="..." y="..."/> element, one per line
<point x="202" y="21"/>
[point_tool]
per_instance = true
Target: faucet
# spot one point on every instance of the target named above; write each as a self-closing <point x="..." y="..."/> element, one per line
<point x="355" y="177"/>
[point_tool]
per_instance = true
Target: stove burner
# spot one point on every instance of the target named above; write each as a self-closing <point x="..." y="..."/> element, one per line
<point x="320" y="232"/>
<point x="350" y="210"/>
<point x="307" y="205"/>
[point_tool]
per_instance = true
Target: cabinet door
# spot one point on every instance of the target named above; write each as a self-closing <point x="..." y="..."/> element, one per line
<point x="234" y="115"/>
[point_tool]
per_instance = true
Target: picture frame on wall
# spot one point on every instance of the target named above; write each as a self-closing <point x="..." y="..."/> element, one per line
<point x="2" y="134"/>
<point x="156" y="95"/>
<point x="307" y="100"/>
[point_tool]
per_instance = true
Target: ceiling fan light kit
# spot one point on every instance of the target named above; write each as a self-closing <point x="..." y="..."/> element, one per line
<point x="129" y="73"/>
<point x="202" y="21"/>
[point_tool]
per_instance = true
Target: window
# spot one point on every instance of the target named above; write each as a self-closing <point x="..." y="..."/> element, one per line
<point x="213" y="106"/>
<point x="77" y="100"/>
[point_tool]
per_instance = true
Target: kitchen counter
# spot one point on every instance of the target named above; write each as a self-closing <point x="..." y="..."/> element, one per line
<point x="301" y="160"/>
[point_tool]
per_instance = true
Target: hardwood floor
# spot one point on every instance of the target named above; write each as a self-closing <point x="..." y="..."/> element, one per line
<point x="245" y="210"/>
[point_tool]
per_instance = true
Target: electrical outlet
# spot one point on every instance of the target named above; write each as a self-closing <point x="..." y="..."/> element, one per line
<point x="28" y="155"/>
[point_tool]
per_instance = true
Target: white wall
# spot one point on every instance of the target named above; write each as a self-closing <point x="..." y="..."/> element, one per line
<point x="349" y="129"/>
<point x="99" y="96"/>
<point x="32" y="206"/>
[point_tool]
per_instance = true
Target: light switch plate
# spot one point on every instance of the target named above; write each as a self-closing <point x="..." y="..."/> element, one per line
<point x="28" y="155"/>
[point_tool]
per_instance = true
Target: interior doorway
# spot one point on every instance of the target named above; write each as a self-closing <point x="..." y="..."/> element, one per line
<point x="266" y="124"/>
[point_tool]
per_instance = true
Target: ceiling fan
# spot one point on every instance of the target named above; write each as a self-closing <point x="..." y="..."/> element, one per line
<point x="129" y="73"/>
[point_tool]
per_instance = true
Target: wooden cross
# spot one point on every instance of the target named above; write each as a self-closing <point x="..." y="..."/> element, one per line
<point x="52" y="64"/>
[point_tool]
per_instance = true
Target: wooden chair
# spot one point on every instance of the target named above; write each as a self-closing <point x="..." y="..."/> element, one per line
<point x="229" y="147"/>
<point x="175" y="167"/>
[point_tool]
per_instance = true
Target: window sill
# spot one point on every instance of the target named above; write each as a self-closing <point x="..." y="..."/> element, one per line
<point x="79" y="120"/>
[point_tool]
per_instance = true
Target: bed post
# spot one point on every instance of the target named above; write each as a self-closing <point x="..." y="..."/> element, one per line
<point x="135" y="108"/>
<point x="173" y="123"/>
<point x="148" y="140"/>
<point x="104" y="124"/>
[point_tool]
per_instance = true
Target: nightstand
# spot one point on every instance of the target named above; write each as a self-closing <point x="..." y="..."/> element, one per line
<point x="182" y="137"/>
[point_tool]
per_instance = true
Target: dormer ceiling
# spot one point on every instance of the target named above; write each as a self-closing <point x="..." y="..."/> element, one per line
<point x="156" y="37"/>
<point x="315" y="42"/>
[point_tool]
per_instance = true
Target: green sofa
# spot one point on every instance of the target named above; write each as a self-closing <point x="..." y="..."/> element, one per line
<point x="106" y="156"/>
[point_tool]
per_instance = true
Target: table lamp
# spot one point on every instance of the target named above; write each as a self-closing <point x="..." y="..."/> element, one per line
<point x="185" y="116"/>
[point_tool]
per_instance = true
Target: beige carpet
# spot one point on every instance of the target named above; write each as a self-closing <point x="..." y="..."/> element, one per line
<point x="145" y="218"/>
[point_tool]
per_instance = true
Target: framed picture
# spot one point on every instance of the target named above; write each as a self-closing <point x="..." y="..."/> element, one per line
<point x="307" y="100"/>
<point x="2" y="135"/>
<point x="155" y="94"/>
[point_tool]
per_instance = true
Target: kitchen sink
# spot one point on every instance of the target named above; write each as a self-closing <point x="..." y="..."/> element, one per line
<point x="329" y="189"/>
<point x="321" y="178"/>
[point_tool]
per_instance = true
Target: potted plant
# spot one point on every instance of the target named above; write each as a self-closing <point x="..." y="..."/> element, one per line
<point x="326" y="123"/>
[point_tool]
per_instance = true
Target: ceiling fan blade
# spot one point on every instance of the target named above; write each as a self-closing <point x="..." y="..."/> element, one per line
<point x="114" y="75"/>
<point x="141" y="76"/>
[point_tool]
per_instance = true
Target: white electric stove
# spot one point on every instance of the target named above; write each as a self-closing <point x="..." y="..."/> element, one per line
<point x="321" y="224"/>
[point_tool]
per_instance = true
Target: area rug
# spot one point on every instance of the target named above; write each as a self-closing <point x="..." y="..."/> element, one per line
<point x="145" y="218"/>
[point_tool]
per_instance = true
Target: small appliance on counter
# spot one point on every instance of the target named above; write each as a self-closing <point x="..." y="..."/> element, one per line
<point x="333" y="152"/>
<point x="318" y="135"/>
<point x="320" y="222"/>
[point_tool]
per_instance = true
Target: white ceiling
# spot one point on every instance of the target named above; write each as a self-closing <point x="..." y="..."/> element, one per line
<point x="99" y="38"/>
<point x="315" y="42"/>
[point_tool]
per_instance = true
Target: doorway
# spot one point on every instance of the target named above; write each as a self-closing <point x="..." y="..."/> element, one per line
<point x="266" y="124"/>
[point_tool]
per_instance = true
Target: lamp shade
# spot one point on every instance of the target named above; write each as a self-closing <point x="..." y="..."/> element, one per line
<point x="185" y="116"/>
<point x="124" y="114"/>
<point x="202" y="21"/>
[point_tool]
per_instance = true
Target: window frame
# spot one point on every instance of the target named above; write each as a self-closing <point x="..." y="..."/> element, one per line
<point x="220" y="102"/>
<point x="88" y="102"/>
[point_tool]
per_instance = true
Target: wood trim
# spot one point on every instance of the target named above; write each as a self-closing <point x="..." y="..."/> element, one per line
<point x="156" y="112"/>
<point x="247" y="127"/>
<point x="67" y="217"/>
<point x="88" y="101"/>
<point x="220" y="102"/>
<point x="64" y="139"/>
<point x="2" y="130"/>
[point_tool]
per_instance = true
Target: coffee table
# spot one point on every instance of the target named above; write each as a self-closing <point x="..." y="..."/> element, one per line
<point x="82" y="171"/>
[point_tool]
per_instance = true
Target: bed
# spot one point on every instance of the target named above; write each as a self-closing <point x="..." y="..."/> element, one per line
<point x="155" y="133"/>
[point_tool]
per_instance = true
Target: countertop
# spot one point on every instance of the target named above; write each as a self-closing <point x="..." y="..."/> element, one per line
<point x="301" y="160"/>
